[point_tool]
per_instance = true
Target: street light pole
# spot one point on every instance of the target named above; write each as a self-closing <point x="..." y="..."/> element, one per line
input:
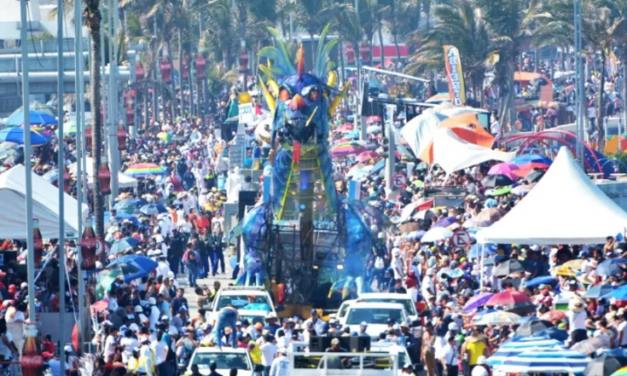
<point x="60" y="186"/>
<point x="30" y="258"/>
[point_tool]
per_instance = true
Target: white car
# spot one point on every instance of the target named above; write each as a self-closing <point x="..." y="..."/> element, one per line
<point x="341" y="312"/>
<point x="238" y="298"/>
<point x="388" y="297"/>
<point x="226" y="359"/>
<point x="376" y="315"/>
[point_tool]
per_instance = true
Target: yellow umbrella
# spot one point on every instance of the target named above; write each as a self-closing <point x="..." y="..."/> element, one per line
<point x="564" y="271"/>
<point x="573" y="264"/>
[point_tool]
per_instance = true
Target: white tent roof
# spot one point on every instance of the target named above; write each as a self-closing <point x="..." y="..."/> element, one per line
<point x="124" y="181"/>
<point x="45" y="206"/>
<point x="453" y="153"/>
<point x="565" y="207"/>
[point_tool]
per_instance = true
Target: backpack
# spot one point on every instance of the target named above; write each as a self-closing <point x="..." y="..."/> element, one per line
<point x="379" y="263"/>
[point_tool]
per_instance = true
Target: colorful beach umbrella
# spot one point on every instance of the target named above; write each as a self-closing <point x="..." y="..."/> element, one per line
<point x="513" y="348"/>
<point x="69" y="129"/>
<point x="525" y="169"/>
<point x="16" y="135"/>
<point x="485" y="218"/>
<point x="507" y="169"/>
<point x="507" y="298"/>
<point x="611" y="267"/>
<point x="145" y="169"/>
<point x="105" y="280"/>
<point x="36" y="117"/>
<point x="347" y="148"/>
<point x="477" y="301"/>
<point x="531" y="158"/>
<point x="367" y="156"/>
<point x="164" y="136"/>
<point x="496" y="318"/>
<point x="133" y="266"/>
<point x="122" y="245"/>
<point x="545" y="360"/>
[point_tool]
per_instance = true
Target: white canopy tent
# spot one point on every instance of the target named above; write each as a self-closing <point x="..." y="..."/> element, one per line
<point x="565" y="207"/>
<point x="45" y="206"/>
<point x="124" y="181"/>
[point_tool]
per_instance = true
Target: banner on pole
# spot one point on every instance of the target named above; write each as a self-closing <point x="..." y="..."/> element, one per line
<point x="455" y="75"/>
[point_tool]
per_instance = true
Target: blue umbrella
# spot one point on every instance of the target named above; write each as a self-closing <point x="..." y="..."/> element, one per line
<point x="380" y="165"/>
<point x="153" y="209"/>
<point x="134" y="266"/>
<point x="446" y="222"/>
<point x="611" y="267"/>
<point x="36" y="117"/>
<point x="546" y="360"/>
<point x="122" y="245"/>
<point x="551" y="333"/>
<point x="540" y="281"/>
<point x="514" y="348"/>
<point x="17" y="135"/>
<point x="595" y="292"/>
<point x="120" y="217"/>
<point x="618" y="294"/>
<point x="475" y="251"/>
<point x="130" y="203"/>
<point x="531" y="158"/>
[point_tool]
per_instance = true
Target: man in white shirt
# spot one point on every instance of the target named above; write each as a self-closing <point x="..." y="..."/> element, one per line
<point x="268" y="353"/>
<point x="314" y="320"/>
<point x="163" y="268"/>
<point x="110" y="344"/>
<point x="155" y="314"/>
<point x="160" y="349"/>
<point x="280" y="365"/>
<point x="129" y="343"/>
<point x="428" y="286"/>
<point x="397" y="264"/>
<point x="621" y="328"/>
<point x="450" y="357"/>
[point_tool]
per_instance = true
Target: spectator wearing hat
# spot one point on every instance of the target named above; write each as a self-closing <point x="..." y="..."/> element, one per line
<point x="280" y="365"/>
<point x="272" y="323"/>
<point x="155" y="314"/>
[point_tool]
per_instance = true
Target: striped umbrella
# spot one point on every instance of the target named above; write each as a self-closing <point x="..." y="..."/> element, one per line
<point x="497" y="318"/>
<point x="145" y="169"/>
<point x="546" y="360"/>
<point x="515" y="348"/>
<point x="621" y="372"/>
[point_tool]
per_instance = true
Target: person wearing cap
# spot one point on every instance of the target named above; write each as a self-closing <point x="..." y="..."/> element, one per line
<point x="281" y="364"/>
<point x="407" y="370"/>
<point x="272" y="323"/>
<point x="315" y="322"/>
<point x="450" y="357"/>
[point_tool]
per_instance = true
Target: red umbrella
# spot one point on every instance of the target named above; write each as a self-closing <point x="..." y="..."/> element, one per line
<point x="507" y="298"/>
<point x="554" y="316"/>
<point x="100" y="306"/>
<point x="523" y="170"/>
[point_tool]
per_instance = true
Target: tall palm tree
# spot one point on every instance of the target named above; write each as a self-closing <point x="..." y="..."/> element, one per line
<point x="463" y="26"/>
<point x="93" y="18"/>
<point x="308" y="15"/>
<point x="604" y="26"/>
<point x="509" y="22"/>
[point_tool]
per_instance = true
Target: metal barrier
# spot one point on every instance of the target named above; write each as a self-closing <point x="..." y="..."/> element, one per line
<point x="343" y="364"/>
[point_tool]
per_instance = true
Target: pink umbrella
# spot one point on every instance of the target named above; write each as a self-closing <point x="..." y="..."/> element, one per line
<point x="506" y="169"/>
<point x="373" y="119"/>
<point x="367" y="156"/>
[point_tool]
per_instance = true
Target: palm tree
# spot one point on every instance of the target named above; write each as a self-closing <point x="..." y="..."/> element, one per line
<point x="603" y="27"/>
<point x="92" y="17"/>
<point x="509" y="23"/>
<point x="460" y="25"/>
<point x="219" y="37"/>
<point x="308" y="15"/>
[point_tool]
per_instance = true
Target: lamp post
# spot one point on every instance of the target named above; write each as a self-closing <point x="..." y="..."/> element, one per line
<point x="243" y="64"/>
<point x="132" y="64"/>
<point x="30" y="258"/>
<point x="201" y="75"/>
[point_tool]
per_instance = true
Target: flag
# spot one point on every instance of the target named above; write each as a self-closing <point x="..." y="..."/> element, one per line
<point x="455" y="75"/>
